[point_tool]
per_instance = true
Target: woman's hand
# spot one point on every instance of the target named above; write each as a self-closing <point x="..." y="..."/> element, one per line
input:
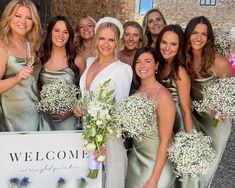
<point x="60" y="117"/>
<point x="151" y="183"/>
<point x="99" y="154"/>
<point x="24" y="73"/>
<point x="78" y="112"/>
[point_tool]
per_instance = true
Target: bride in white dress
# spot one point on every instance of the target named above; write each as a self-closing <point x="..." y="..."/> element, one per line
<point x="99" y="69"/>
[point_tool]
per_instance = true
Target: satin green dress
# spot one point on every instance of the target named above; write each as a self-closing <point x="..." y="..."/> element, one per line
<point x="219" y="135"/>
<point x="169" y="83"/>
<point x="141" y="162"/>
<point x="47" y="76"/>
<point x="17" y="112"/>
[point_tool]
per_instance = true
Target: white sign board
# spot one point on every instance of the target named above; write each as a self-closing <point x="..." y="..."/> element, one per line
<point x="44" y="157"/>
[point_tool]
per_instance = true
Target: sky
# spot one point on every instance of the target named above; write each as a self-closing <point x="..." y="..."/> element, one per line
<point x="145" y="5"/>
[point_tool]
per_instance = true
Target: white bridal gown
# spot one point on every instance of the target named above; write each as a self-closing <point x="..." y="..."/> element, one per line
<point x="116" y="158"/>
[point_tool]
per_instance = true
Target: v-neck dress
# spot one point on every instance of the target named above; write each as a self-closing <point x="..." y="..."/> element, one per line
<point x="116" y="160"/>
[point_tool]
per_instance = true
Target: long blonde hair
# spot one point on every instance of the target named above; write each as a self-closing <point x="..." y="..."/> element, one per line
<point x="34" y="35"/>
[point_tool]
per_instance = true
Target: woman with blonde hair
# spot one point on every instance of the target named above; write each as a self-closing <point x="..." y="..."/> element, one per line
<point x="20" y="25"/>
<point x="132" y="39"/>
<point x="99" y="69"/>
<point x="85" y="32"/>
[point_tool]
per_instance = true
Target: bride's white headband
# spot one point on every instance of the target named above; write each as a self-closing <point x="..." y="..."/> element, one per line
<point x="113" y="21"/>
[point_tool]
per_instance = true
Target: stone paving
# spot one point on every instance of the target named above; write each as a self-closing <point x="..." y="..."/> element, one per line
<point x="225" y="174"/>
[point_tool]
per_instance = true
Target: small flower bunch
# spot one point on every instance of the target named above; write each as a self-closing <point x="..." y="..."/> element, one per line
<point x="135" y="116"/>
<point x="58" y="97"/>
<point x="61" y="182"/>
<point x="191" y="154"/>
<point x="97" y="122"/>
<point x="17" y="183"/>
<point x="82" y="182"/>
<point x="222" y="41"/>
<point x="218" y="96"/>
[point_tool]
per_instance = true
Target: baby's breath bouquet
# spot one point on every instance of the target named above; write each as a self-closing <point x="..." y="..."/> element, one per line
<point x="191" y="154"/>
<point x="97" y="123"/>
<point x="222" y="41"/>
<point x="218" y="96"/>
<point x="135" y="116"/>
<point x="58" y="97"/>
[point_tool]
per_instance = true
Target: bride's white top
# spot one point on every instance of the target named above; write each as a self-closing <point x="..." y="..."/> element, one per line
<point x="119" y="73"/>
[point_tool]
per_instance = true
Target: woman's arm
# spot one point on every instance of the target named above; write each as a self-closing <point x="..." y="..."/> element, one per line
<point x="183" y="84"/>
<point x="165" y="123"/>
<point x="222" y="67"/>
<point x="122" y="81"/>
<point x="7" y="84"/>
<point x="80" y="63"/>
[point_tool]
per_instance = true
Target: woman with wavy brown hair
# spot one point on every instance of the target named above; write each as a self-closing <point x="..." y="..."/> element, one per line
<point x="174" y="75"/>
<point x="59" y="60"/>
<point x="205" y="66"/>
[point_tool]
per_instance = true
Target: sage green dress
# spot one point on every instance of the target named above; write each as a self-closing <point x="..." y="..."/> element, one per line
<point x="17" y="112"/>
<point x="141" y="162"/>
<point x="219" y="135"/>
<point x="46" y="77"/>
<point x="169" y="83"/>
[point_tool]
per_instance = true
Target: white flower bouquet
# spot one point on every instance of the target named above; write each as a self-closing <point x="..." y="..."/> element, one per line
<point x="58" y="97"/>
<point x="98" y="123"/>
<point x="135" y="116"/>
<point x="191" y="154"/>
<point x="219" y="97"/>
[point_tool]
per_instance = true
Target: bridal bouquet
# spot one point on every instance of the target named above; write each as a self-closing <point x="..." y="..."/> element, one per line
<point x="135" y="116"/>
<point x="98" y="123"/>
<point x="58" y="97"/>
<point x="219" y="97"/>
<point x="191" y="154"/>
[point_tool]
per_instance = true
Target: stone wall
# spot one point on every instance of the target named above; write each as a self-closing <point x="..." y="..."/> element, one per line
<point x="181" y="11"/>
<point x="121" y="9"/>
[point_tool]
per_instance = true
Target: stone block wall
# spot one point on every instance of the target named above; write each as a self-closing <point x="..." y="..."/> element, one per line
<point x="121" y="9"/>
<point x="181" y="11"/>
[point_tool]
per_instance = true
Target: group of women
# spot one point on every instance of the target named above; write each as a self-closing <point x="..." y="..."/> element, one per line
<point x="164" y="62"/>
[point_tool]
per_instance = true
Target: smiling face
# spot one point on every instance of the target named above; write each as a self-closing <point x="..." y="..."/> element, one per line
<point x="131" y="38"/>
<point x="169" y="45"/>
<point x="21" y="21"/>
<point x="86" y="29"/>
<point x="60" y="34"/>
<point x="198" y="37"/>
<point x="145" y="66"/>
<point x="155" y="23"/>
<point x="106" y="42"/>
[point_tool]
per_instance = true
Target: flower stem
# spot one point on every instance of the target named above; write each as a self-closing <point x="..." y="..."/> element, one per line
<point x="214" y="122"/>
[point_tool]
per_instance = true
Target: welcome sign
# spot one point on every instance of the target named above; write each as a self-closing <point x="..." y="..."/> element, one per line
<point x="44" y="158"/>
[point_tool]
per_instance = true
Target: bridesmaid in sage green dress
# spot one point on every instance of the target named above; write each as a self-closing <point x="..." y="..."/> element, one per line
<point x="173" y="74"/>
<point x="19" y="24"/>
<point x="60" y="61"/>
<point x="148" y="165"/>
<point x="206" y="65"/>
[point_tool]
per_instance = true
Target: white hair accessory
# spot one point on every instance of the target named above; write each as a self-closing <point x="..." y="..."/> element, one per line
<point x="112" y="20"/>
